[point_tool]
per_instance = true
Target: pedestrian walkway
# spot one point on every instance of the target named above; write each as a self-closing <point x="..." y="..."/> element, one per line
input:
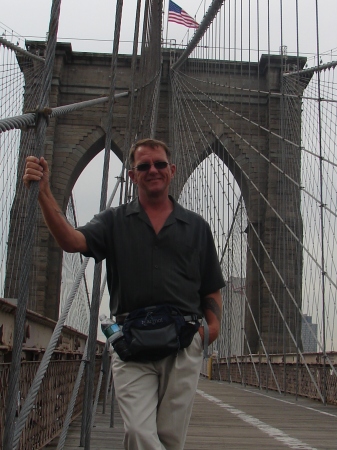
<point x="234" y="417"/>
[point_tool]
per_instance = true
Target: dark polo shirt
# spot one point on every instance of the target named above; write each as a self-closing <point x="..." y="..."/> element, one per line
<point x="178" y="266"/>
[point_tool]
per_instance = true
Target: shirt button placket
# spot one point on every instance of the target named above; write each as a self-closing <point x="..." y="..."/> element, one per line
<point x="155" y="257"/>
<point x="156" y="267"/>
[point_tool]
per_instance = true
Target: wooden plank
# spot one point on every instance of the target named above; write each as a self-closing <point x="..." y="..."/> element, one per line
<point x="237" y="417"/>
<point x="102" y="436"/>
<point x="234" y="417"/>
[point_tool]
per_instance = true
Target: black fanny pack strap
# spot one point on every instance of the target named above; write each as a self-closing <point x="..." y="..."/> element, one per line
<point x="206" y="338"/>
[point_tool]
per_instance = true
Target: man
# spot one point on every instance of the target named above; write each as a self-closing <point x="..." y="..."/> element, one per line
<point x="156" y="252"/>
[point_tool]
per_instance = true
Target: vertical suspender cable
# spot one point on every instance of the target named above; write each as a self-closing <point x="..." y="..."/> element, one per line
<point x="14" y="377"/>
<point x="229" y="266"/>
<point x="321" y="205"/>
<point x="298" y="324"/>
<point x="280" y="206"/>
<point x="156" y="41"/>
<point x="130" y="127"/>
<point x="270" y="305"/>
<point x="141" y="97"/>
<point x="90" y="368"/>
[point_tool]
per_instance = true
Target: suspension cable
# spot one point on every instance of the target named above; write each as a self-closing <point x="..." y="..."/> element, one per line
<point x="13" y="385"/>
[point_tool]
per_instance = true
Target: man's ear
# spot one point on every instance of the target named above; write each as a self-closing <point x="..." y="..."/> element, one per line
<point x="173" y="170"/>
<point x="132" y="176"/>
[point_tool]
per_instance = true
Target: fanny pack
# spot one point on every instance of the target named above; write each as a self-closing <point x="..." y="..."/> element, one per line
<point x="152" y="333"/>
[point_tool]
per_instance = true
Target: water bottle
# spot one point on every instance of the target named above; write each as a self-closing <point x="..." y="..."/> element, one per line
<point x="110" y="328"/>
<point x="115" y="337"/>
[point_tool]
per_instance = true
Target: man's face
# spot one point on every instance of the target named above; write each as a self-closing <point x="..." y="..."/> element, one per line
<point x="154" y="181"/>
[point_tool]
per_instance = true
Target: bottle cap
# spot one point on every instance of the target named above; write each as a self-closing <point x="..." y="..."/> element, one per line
<point x="102" y="317"/>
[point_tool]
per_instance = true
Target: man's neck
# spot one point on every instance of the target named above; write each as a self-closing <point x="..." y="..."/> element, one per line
<point x="158" y="212"/>
<point x="159" y="204"/>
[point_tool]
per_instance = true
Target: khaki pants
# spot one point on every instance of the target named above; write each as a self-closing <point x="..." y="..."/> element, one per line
<point x="156" y="398"/>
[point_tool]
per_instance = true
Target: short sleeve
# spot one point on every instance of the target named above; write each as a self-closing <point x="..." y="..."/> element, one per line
<point x="95" y="233"/>
<point x="211" y="273"/>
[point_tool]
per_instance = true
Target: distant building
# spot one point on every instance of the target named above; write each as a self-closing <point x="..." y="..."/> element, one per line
<point x="309" y="334"/>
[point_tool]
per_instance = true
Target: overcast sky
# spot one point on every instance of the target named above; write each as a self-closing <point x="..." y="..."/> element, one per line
<point x="88" y="25"/>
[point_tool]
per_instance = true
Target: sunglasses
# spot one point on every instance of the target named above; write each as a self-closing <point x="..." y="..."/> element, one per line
<point x="146" y="166"/>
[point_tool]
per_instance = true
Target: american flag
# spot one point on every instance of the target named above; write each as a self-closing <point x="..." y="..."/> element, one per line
<point x="178" y="15"/>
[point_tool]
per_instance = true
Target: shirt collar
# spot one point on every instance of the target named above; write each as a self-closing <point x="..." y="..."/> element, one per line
<point x="179" y="212"/>
<point x="133" y="207"/>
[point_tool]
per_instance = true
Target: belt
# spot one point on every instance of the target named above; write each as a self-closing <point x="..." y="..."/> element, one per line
<point x="120" y="319"/>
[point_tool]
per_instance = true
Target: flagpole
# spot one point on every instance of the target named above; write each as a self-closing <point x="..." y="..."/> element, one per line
<point x="167" y="22"/>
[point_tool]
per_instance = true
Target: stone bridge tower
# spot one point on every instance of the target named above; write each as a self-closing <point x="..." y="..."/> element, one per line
<point x="73" y="140"/>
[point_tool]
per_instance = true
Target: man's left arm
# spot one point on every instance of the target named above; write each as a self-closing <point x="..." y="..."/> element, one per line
<point x="212" y="308"/>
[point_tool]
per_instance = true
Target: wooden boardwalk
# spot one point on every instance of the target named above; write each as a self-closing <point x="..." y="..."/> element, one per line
<point x="233" y="417"/>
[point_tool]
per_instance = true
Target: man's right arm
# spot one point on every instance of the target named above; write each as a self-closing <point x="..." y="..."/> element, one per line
<point x="69" y="239"/>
